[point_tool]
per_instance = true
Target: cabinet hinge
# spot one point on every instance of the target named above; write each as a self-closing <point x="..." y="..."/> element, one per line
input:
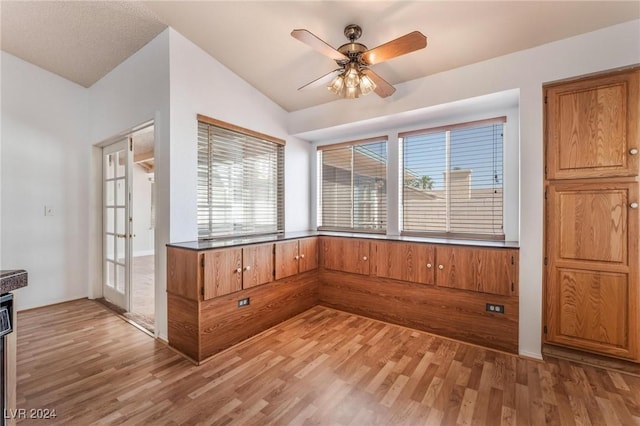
<point x="513" y="260"/>
<point x="513" y="287"/>
<point x="546" y="170"/>
<point x="130" y="144"/>
<point x="546" y="261"/>
<point x="545" y="329"/>
<point x="202" y="291"/>
<point x="202" y="261"/>
<point x="545" y="99"/>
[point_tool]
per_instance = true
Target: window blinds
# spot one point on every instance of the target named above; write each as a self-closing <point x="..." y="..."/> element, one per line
<point x="240" y="183"/>
<point x="453" y="180"/>
<point x="353" y="190"/>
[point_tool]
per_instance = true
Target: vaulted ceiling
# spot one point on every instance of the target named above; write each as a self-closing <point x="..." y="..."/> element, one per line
<point x="83" y="40"/>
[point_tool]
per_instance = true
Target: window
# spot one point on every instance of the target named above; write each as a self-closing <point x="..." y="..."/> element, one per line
<point x="352" y="193"/>
<point x="452" y="184"/>
<point x="240" y="181"/>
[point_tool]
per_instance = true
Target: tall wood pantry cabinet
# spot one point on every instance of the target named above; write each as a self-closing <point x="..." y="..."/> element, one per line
<point x="591" y="289"/>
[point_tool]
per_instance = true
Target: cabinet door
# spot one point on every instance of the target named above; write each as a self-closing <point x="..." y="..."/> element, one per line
<point x="346" y="255"/>
<point x="591" y="289"/>
<point x="412" y="262"/>
<point x="258" y="265"/>
<point x="308" y="250"/>
<point x="286" y="259"/>
<point x="477" y="269"/>
<point x="592" y="127"/>
<point x="222" y="272"/>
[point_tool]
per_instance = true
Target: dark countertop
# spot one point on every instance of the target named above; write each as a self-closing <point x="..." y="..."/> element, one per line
<point x="12" y="280"/>
<point x="232" y="242"/>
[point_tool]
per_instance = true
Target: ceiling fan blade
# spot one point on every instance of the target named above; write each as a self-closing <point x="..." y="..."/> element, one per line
<point x="383" y="89"/>
<point x="400" y="46"/>
<point x="313" y="41"/>
<point x="321" y="81"/>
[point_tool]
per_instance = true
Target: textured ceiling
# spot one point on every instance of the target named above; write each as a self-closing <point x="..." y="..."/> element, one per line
<point x="82" y="41"/>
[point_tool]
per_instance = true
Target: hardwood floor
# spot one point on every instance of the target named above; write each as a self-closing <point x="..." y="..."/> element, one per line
<point x="321" y="367"/>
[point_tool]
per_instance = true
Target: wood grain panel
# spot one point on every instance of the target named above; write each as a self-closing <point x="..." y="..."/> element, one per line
<point x="183" y="273"/>
<point x="592" y="125"/>
<point x="591" y="222"/>
<point x="222" y="272"/>
<point x="286" y="259"/>
<point x="346" y="254"/>
<point x="258" y="265"/>
<point x="413" y="262"/>
<point x="591" y="310"/>
<point x="308" y="254"/>
<point x="477" y="269"/>
<point x="224" y="324"/>
<point x="447" y="312"/>
<point x="183" y="325"/>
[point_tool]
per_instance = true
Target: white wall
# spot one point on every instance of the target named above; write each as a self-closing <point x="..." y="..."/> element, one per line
<point x="44" y="161"/>
<point x="526" y="71"/>
<point x="135" y="92"/>
<point x="201" y="85"/>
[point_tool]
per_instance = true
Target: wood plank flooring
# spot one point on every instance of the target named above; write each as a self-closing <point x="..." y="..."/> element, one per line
<point x="322" y="367"/>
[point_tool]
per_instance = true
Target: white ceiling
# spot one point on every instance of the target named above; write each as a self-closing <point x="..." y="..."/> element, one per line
<point x="84" y="40"/>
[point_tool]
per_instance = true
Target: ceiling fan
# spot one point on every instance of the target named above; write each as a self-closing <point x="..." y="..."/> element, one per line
<point x="353" y="77"/>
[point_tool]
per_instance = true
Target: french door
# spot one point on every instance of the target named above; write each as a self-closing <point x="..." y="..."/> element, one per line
<point x="117" y="232"/>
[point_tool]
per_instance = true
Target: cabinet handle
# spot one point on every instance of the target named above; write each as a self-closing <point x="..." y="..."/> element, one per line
<point x="239" y="270"/>
<point x="364" y="257"/>
<point x="633" y="205"/>
<point x="296" y="257"/>
<point x="633" y="151"/>
<point x="441" y="267"/>
<point x="247" y="268"/>
<point x="302" y="256"/>
<point x="429" y="265"/>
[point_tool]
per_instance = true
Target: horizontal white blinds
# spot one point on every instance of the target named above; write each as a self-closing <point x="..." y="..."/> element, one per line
<point x="353" y="189"/>
<point x="240" y="183"/>
<point x="453" y="181"/>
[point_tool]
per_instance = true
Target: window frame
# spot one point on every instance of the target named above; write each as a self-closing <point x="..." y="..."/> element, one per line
<point x="319" y="177"/>
<point x="401" y="186"/>
<point x="279" y="174"/>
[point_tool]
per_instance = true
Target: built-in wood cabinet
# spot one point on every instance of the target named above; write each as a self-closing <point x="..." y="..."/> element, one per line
<point x="592" y="267"/>
<point x="346" y="255"/>
<point x="412" y="262"/>
<point x="214" y="299"/>
<point x="592" y="286"/>
<point x="222" y="270"/>
<point x="214" y="273"/>
<point x="257" y="265"/>
<point x="592" y="127"/>
<point x="478" y="269"/>
<point x="296" y="257"/>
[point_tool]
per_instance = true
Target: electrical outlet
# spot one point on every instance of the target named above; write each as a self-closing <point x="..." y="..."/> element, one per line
<point x="493" y="308"/>
<point x="49" y="211"/>
<point x="243" y="302"/>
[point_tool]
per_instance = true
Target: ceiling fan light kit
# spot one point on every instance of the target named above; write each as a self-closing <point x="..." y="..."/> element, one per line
<point x="354" y="78"/>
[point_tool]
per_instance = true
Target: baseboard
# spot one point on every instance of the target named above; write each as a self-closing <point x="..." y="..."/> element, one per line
<point x="536" y="356"/>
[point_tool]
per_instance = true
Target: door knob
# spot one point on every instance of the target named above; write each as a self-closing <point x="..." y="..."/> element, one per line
<point x="302" y="256"/>
<point x="296" y="257"/>
<point x="364" y="257"/>
<point x="633" y="205"/>
<point x="121" y="235"/>
<point x="247" y="268"/>
<point x="429" y="265"/>
<point x="633" y="151"/>
<point x="441" y="267"/>
<point x="239" y="270"/>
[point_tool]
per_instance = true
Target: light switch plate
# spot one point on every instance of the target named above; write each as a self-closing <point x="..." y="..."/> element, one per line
<point x="49" y="211"/>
